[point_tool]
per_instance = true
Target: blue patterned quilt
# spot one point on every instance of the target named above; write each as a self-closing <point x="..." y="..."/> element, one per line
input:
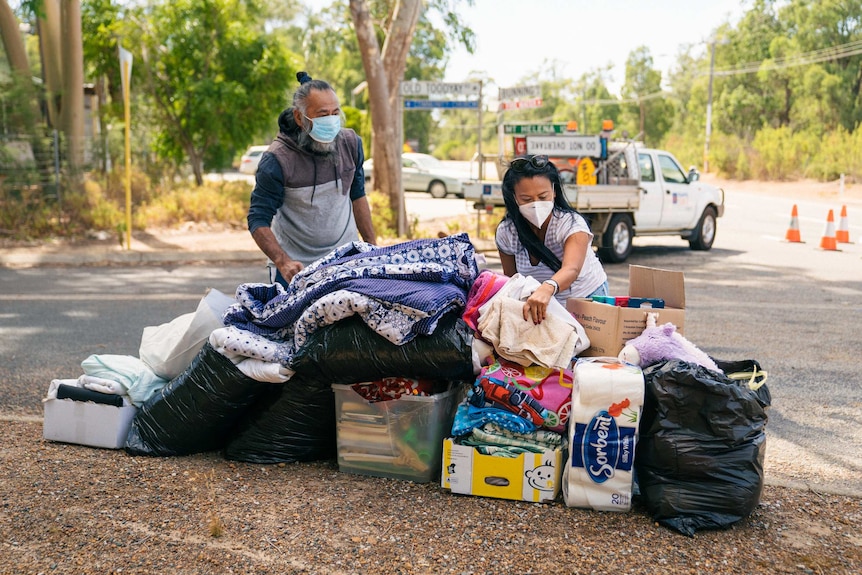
<point x="400" y="291"/>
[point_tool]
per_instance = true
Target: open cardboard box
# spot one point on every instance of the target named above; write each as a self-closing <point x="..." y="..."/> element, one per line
<point x="610" y="327"/>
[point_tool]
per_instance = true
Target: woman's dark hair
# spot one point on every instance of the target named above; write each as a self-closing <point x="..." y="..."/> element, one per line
<point x="306" y="85"/>
<point x="528" y="238"/>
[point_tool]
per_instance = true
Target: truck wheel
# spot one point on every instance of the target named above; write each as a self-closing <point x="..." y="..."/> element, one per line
<point x="437" y="189"/>
<point x="704" y="233"/>
<point x="617" y="239"/>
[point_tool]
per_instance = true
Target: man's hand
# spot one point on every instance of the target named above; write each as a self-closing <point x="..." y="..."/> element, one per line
<point x="265" y="240"/>
<point x="288" y="268"/>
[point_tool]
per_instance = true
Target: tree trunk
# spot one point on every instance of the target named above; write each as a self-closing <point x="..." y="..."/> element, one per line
<point x="384" y="72"/>
<point x="52" y="68"/>
<point x="12" y="41"/>
<point x="16" y="54"/>
<point x="73" y="82"/>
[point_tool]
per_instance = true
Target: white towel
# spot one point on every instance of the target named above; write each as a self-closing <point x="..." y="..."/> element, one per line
<point x="548" y="344"/>
<point x="559" y="329"/>
<point x="607" y="401"/>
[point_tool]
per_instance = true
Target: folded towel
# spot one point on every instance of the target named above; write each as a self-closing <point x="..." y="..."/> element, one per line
<point x="548" y="344"/>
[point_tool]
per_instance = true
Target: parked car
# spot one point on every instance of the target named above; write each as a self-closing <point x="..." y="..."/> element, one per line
<point x="250" y="159"/>
<point x="425" y="173"/>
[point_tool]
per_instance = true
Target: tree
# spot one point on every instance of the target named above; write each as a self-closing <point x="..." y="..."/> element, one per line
<point x="72" y="57"/>
<point x="215" y="79"/>
<point x="651" y="113"/>
<point x="61" y="46"/>
<point x="13" y="44"/>
<point x="384" y="64"/>
<point x="384" y="70"/>
<point x="16" y="55"/>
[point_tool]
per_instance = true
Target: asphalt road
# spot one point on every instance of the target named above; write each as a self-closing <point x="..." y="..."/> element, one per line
<point x="793" y="307"/>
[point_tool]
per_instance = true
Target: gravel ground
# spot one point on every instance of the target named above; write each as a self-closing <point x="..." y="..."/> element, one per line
<point x="77" y="510"/>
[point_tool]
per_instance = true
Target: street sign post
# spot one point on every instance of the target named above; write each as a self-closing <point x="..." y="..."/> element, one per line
<point x="519" y="93"/>
<point x="421" y="88"/>
<point x="428" y="104"/>
<point x="509" y="129"/>
<point x="521" y="104"/>
<point x="568" y="146"/>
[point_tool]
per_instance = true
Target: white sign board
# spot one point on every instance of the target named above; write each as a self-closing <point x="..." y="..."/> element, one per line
<point x="520" y="93"/>
<point x="521" y="104"/>
<point x="567" y="146"/>
<point x="125" y="69"/>
<point x="416" y="88"/>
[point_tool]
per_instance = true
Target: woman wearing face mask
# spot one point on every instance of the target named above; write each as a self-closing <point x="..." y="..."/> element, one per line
<point x="543" y="237"/>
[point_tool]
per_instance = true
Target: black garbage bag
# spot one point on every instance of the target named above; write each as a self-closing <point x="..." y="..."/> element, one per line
<point x="702" y="444"/>
<point x="297" y="421"/>
<point x="195" y="411"/>
<point x="294" y="421"/>
<point x="349" y="351"/>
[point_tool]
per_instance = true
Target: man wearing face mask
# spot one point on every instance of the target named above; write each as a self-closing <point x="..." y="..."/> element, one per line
<point x="543" y="237"/>
<point x="309" y="193"/>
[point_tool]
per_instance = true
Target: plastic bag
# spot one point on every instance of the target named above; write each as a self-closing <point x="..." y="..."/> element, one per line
<point x="349" y="351"/>
<point x="168" y="349"/>
<point x="294" y="421"/>
<point x="700" y="456"/>
<point x="196" y="411"/>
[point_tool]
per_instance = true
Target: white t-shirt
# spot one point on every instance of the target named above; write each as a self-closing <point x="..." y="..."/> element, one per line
<point x="562" y="225"/>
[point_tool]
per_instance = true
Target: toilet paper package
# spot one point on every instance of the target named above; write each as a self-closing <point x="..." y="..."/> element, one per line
<point x="607" y="401"/>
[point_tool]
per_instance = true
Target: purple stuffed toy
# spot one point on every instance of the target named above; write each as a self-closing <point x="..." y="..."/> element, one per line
<point x="659" y="343"/>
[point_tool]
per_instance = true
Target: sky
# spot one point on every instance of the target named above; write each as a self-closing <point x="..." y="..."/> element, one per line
<point x="514" y="37"/>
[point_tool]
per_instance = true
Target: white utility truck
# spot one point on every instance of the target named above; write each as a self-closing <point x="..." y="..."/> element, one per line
<point x="622" y="189"/>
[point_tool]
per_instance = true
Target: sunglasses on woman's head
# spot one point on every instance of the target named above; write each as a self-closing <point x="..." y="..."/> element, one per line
<point x="520" y="164"/>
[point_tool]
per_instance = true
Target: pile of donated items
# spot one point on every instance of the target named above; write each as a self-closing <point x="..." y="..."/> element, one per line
<point x="409" y="362"/>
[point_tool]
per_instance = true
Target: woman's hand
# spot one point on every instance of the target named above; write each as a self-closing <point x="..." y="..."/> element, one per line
<point x="536" y="306"/>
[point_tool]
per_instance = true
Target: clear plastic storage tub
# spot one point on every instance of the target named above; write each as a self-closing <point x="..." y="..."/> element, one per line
<point x="399" y="438"/>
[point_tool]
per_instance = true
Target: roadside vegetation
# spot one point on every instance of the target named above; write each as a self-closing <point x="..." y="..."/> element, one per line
<point x="210" y="77"/>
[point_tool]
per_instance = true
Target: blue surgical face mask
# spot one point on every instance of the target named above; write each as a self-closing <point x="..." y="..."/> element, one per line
<point x="325" y="128"/>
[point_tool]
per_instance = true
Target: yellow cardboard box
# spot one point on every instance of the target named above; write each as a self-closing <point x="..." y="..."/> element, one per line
<point x="529" y="477"/>
<point x="609" y="327"/>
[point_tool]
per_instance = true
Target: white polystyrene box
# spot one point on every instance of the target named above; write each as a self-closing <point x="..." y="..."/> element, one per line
<point x="87" y="423"/>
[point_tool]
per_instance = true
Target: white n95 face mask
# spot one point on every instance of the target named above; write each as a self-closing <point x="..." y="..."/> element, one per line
<point x="536" y="212"/>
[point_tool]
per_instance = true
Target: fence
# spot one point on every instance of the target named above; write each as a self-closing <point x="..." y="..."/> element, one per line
<point x="31" y="164"/>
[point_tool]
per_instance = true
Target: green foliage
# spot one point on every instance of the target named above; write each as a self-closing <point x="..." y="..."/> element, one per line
<point x="840" y="152"/>
<point x="216" y="78"/>
<point x="382" y="215"/>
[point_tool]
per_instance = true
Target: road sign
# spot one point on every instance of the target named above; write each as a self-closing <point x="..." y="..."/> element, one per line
<point x="428" y="104"/>
<point x="520" y="93"/>
<point x="416" y="88"/>
<point x="534" y="103"/>
<point x="534" y="128"/>
<point x="567" y="146"/>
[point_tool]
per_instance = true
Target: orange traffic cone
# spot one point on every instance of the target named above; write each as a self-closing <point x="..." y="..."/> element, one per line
<point x="843" y="233"/>
<point x="793" y="231"/>
<point x="828" y="242"/>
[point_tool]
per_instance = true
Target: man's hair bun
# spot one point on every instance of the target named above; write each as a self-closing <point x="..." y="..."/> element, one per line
<point x="303" y="77"/>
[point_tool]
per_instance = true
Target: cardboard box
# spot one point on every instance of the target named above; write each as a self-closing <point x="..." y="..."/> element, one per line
<point x="399" y="438"/>
<point x="87" y="423"/>
<point x="610" y="327"/>
<point x="529" y="477"/>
